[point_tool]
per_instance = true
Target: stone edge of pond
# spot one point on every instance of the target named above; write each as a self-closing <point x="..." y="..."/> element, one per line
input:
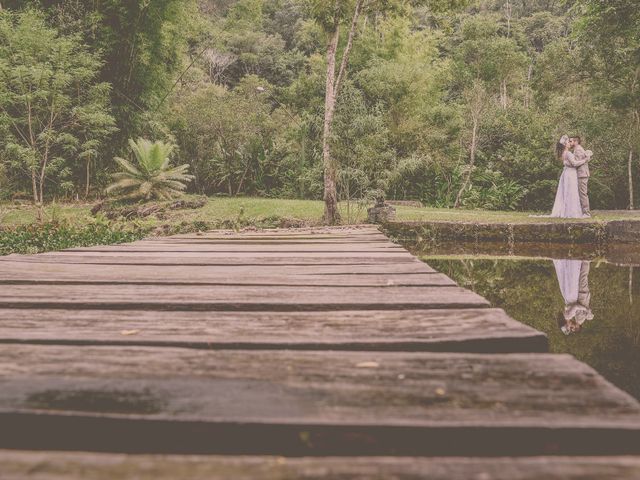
<point x="576" y="232"/>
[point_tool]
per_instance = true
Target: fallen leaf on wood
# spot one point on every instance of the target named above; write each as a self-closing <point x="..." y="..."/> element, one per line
<point x="368" y="365"/>
<point x="129" y="332"/>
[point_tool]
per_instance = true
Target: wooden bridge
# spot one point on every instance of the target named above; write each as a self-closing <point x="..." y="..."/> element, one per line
<point x="314" y="354"/>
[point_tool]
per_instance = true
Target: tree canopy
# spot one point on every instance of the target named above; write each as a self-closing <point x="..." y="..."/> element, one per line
<point x="443" y="101"/>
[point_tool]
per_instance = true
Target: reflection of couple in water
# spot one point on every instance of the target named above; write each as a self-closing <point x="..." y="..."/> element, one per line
<point x="573" y="277"/>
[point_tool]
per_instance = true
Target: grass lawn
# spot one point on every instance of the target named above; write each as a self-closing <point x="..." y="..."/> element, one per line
<point x="216" y="209"/>
<point x="487" y="216"/>
<point x="268" y="211"/>
<point x="25" y="229"/>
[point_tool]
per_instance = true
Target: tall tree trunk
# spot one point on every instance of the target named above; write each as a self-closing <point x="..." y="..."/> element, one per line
<point x="41" y="188"/>
<point x="244" y="174"/>
<point x="630" y="171"/>
<point x="43" y="171"/>
<point x="472" y="161"/>
<point x="331" y="215"/>
<point x="508" y="15"/>
<point x="88" y="182"/>
<point x="34" y="186"/>
<point x="631" y="285"/>
<point x="32" y="142"/>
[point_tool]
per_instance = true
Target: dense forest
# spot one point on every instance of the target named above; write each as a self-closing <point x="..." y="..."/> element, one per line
<point x="451" y="102"/>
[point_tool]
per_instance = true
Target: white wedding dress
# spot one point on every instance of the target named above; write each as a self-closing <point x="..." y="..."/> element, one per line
<point x="567" y="204"/>
<point x="568" y="273"/>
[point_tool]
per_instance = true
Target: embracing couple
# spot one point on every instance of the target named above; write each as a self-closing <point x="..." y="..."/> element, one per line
<point x="572" y="198"/>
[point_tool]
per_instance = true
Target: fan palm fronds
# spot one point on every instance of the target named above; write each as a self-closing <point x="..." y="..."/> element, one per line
<point x="151" y="176"/>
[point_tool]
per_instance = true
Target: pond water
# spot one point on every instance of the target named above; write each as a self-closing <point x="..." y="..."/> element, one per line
<point x="589" y="308"/>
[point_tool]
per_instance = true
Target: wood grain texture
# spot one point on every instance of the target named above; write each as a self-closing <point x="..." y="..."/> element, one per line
<point x="182" y="259"/>
<point x="394" y="255"/>
<point x="10" y="270"/>
<point x="462" y="330"/>
<point x="301" y="343"/>
<point x="274" y="242"/>
<point x="244" y="247"/>
<point x="212" y="278"/>
<point x="167" y="400"/>
<point x="21" y="465"/>
<point x="231" y="297"/>
<point x="311" y="232"/>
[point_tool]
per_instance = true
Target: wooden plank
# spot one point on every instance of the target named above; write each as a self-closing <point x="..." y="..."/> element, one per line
<point x="323" y="259"/>
<point x="398" y="256"/>
<point x="467" y="330"/>
<point x="277" y="236"/>
<point x="367" y="240"/>
<point x="245" y="248"/>
<point x="268" y="241"/>
<point x="211" y="278"/>
<point x="313" y="232"/>
<point x="10" y="270"/>
<point x="272" y="240"/>
<point x="231" y="297"/>
<point x="166" y="400"/>
<point x="23" y="465"/>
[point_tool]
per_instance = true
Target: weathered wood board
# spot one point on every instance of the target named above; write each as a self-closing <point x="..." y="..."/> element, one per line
<point x="123" y="253"/>
<point x="284" y="242"/>
<point x="179" y="259"/>
<point x="169" y="400"/>
<point x="184" y="276"/>
<point x="309" y="342"/>
<point x="459" y="330"/>
<point x="313" y="232"/>
<point x="11" y="271"/>
<point x="244" y="247"/>
<point x="237" y="297"/>
<point x="20" y="465"/>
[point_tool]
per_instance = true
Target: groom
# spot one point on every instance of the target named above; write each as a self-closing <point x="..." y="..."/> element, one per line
<point x="583" y="157"/>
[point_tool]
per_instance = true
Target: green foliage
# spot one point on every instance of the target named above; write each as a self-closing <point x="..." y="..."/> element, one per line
<point x="141" y="44"/>
<point x="53" y="111"/>
<point x="491" y="191"/>
<point x="231" y="137"/>
<point x="189" y="71"/>
<point x="36" y="237"/>
<point x="151" y="176"/>
<point x="362" y="146"/>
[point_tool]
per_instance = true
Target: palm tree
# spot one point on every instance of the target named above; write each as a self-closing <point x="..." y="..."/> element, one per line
<point x="151" y="177"/>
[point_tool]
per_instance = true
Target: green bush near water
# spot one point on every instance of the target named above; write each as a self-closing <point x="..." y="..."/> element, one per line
<point x="36" y="238"/>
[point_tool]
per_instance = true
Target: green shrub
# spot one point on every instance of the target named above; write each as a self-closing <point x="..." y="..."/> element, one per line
<point x="36" y="238"/>
<point x="151" y="176"/>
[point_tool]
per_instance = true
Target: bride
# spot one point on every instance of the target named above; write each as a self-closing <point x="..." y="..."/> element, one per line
<point x="567" y="204"/>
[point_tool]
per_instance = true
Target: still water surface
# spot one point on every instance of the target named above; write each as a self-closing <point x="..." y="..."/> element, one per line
<point x="589" y="309"/>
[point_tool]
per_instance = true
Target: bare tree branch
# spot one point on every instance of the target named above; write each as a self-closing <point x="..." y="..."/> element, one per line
<point x="347" y="49"/>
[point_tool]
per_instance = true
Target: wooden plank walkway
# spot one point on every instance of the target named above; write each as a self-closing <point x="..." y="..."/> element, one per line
<point x="75" y="466"/>
<point x="317" y="342"/>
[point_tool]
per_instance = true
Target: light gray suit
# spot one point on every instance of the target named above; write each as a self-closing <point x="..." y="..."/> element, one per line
<point x="582" y="158"/>
<point x="584" y="295"/>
